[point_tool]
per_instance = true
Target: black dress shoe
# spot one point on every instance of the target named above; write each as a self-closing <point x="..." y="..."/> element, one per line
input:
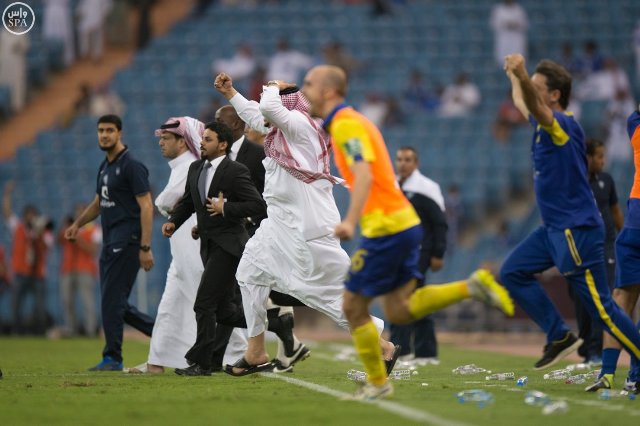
<point x="193" y="370"/>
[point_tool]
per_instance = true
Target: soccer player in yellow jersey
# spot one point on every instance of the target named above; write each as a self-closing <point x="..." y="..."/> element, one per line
<point x="386" y="261"/>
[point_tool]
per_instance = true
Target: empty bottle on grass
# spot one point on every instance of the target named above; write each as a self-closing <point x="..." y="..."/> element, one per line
<point x="578" y="379"/>
<point x="501" y="376"/>
<point x="400" y="375"/>
<point x="555" y="407"/>
<point x="522" y="381"/>
<point x="557" y="374"/>
<point x="536" y="398"/>
<point x="469" y="369"/>
<point x="478" y="396"/>
<point x="357" y="376"/>
<point x="608" y="394"/>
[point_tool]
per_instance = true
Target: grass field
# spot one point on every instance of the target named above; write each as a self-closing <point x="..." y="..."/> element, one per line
<point x="46" y="382"/>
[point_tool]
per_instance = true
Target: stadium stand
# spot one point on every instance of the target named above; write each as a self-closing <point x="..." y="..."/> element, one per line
<point x="173" y="77"/>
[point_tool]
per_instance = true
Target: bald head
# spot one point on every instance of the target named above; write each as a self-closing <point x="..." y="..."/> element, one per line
<point x="228" y="116"/>
<point x="325" y="86"/>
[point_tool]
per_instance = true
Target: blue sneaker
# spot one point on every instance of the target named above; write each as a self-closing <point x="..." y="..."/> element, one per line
<point x="107" y="364"/>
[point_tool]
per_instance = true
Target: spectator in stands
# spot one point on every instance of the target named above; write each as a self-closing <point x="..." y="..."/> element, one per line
<point x="510" y="24"/>
<point x="605" y="83"/>
<point x="617" y="142"/>
<point x="426" y="197"/>
<point x="78" y="272"/>
<point x="569" y="61"/>
<point x="13" y="66"/>
<point x="604" y="191"/>
<point x="240" y="66"/>
<point x="118" y="32"/>
<point x="287" y="64"/>
<point x="57" y="25"/>
<point x="32" y="240"/>
<point x="507" y="119"/>
<point x="92" y="15"/>
<point x="334" y="53"/>
<point x="375" y="108"/>
<point x="417" y="96"/>
<point x="459" y="98"/>
<point x="105" y="101"/>
<point x="144" y="22"/>
<point x="591" y="60"/>
<point x="636" y="49"/>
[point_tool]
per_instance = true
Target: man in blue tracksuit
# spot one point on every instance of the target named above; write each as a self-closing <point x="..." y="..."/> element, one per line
<point x="572" y="235"/>
<point x="123" y="200"/>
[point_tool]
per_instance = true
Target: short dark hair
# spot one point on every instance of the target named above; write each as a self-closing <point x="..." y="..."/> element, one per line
<point x="112" y="119"/>
<point x="558" y="78"/>
<point x="409" y="148"/>
<point x="592" y="145"/>
<point x="224" y="133"/>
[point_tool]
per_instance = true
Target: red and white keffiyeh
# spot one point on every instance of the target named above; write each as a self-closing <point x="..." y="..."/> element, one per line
<point x="277" y="147"/>
<point x="188" y="128"/>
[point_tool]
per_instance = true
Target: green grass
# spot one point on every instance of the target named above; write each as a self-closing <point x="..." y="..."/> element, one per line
<point x="46" y="382"/>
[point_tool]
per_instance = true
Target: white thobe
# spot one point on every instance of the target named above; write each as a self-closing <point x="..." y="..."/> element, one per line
<point x="57" y="25"/>
<point x="510" y="25"/>
<point x="13" y="66"/>
<point x="174" y="331"/>
<point x="294" y="251"/>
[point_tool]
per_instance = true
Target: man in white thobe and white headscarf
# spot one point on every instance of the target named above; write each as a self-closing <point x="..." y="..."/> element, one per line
<point x="174" y="331"/>
<point x="294" y="250"/>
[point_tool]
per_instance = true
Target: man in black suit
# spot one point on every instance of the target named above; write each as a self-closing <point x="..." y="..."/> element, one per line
<point x="230" y="197"/>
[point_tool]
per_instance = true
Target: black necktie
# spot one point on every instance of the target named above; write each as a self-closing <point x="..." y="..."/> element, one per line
<point x="202" y="181"/>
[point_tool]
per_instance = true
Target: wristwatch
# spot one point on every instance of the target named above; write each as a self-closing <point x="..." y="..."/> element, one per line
<point x="145" y="248"/>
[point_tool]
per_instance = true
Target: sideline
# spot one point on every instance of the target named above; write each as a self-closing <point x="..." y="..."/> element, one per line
<point x="392" y="407"/>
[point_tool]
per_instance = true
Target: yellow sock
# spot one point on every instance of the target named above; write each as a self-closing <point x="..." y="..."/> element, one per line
<point x="366" y="341"/>
<point x="431" y="298"/>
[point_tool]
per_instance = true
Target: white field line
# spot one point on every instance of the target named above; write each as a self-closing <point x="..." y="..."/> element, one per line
<point x="392" y="407"/>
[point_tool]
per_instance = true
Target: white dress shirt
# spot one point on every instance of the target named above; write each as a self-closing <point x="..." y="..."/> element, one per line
<point x="235" y="148"/>
<point x="212" y="171"/>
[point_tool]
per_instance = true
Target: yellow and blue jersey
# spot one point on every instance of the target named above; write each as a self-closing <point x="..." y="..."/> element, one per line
<point x="560" y="174"/>
<point x="386" y="211"/>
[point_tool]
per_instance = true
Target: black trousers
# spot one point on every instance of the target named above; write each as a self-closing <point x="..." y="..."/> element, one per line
<point x="119" y="265"/>
<point x="217" y="307"/>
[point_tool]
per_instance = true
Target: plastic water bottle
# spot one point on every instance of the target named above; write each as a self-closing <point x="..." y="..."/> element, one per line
<point x="557" y="374"/>
<point x="469" y="369"/>
<point x="400" y="375"/>
<point x="536" y="398"/>
<point x="522" y="381"/>
<point x="501" y="376"/>
<point x="481" y="397"/>
<point x="555" y="407"/>
<point x="578" y="379"/>
<point x="594" y="374"/>
<point x="607" y="394"/>
<point x="357" y="376"/>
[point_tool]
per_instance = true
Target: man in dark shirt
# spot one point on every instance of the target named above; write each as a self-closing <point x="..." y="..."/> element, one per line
<point x="123" y="200"/>
<point x="604" y="191"/>
<point x="426" y="197"/>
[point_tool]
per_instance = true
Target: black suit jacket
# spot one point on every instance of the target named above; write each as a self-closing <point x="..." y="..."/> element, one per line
<point x="243" y="200"/>
<point x="251" y="155"/>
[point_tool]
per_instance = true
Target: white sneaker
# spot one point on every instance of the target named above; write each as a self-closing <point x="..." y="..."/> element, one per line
<point x="427" y="361"/>
<point x="370" y="392"/>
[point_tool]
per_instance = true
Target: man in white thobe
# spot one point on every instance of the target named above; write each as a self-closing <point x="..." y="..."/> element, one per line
<point x="294" y="250"/>
<point x="510" y="24"/>
<point x="174" y="331"/>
